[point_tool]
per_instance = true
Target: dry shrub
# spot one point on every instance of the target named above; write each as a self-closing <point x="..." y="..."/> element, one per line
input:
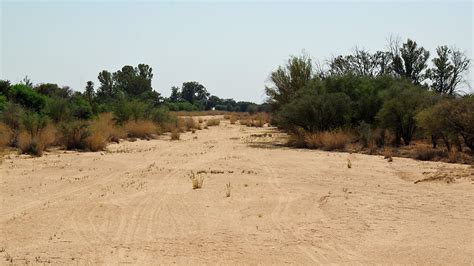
<point x="227" y="117"/>
<point x="96" y="142"/>
<point x="328" y="141"/>
<point x="245" y="122"/>
<point x="387" y="154"/>
<point x="190" y="123"/>
<point x="38" y="143"/>
<point x="233" y="119"/>
<point x="197" y="181"/>
<point x="200" y="120"/>
<point x="141" y="129"/>
<point x="105" y="127"/>
<point x="227" y="189"/>
<point x="213" y="122"/>
<point x="296" y="138"/>
<point x="372" y="147"/>
<point x="74" y="135"/>
<point x="6" y="136"/>
<point x="425" y="153"/>
<point x="175" y="135"/>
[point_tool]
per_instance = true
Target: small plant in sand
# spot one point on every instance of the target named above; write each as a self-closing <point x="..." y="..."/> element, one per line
<point x="387" y="154"/>
<point x="175" y="134"/>
<point x="196" y="180"/>
<point x="233" y="119"/>
<point x="349" y="163"/>
<point x="227" y="190"/>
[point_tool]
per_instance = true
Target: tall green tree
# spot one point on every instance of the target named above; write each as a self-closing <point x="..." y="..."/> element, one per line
<point x="448" y="71"/>
<point x="287" y="80"/>
<point x="409" y="61"/>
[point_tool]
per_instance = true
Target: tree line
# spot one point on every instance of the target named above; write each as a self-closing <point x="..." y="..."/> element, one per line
<point x="393" y="96"/>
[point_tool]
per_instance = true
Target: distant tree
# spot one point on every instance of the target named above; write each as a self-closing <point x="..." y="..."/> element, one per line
<point x="53" y="90"/>
<point x="27" y="97"/>
<point x="27" y="82"/>
<point x="409" y="61"/>
<point x="175" y="94"/>
<point x="4" y="86"/>
<point x="194" y="92"/>
<point x="402" y="103"/>
<point x="287" y="80"/>
<point x="89" y="92"/>
<point x="106" y="90"/>
<point x="448" y="71"/>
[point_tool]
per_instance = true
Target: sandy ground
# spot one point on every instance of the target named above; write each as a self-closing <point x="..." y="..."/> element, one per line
<point x="134" y="204"/>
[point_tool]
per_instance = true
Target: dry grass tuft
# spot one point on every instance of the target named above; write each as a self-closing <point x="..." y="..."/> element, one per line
<point x="387" y="154"/>
<point x="425" y="153"/>
<point x="197" y="181"/>
<point x="227" y="190"/>
<point x="233" y="119"/>
<point x="329" y="141"/>
<point x="141" y="129"/>
<point x="200" y="120"/>
<point x="349" y="163"/>
<point x="38" y="143"/>
<point x="213" y="122"/>
<point x="175" y="135"/>
<point x="6" y="136"/>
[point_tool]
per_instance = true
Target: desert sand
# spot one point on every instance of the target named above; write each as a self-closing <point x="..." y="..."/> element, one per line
<point x="134" y="204"/>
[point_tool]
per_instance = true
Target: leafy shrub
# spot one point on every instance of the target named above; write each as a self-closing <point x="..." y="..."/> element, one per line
<point x="27" y="97"/>
<point x="81" y="109"/>
<point x="403" y="102"/>
<point x="126" y="110"/>
<point x="141" y="129"/>
<point x="3" y="102"/>
<point x="74" y="134"/>
<point x="315" y="112"/>
<point x="57" y="109"/>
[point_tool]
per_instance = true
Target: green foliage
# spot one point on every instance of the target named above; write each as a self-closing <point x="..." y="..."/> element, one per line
<point x="33" y="123"/>
<point x="4" y="87"/>
<point x="81" y="108"/>
<point x="74" y="134"/>
<point x="402" y="102"/>
<point x="3" y="102"/>
<point x="58" y="109"/>
<point x="11" y="115"/>
<point x="314" y="111"/>
<point x="288" y="80"/>
<point x="126" y="110"/>
<point x="27" y="97"/>
<point x="161" y="116"/>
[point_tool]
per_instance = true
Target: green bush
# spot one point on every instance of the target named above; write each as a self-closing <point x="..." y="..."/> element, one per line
<point x="315" y="112"/>
<point x="58" y="109"/>
<point x="74" y="134"/>
<point x="130" y="109"/>
<point x="27" y="97"/>
<point x="403" y="101"/>
<point x="3" y="102"/>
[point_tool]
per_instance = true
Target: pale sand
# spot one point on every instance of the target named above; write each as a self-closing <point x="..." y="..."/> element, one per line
<point x="135" y="204"/>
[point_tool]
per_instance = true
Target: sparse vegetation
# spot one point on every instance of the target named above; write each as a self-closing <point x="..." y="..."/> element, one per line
<point x="213" y="122"/>
<point x="227" y="189"/>
<point x="196" y="180"/>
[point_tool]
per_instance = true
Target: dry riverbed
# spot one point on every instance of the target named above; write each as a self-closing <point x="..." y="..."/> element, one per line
<point x="134" y="203"/>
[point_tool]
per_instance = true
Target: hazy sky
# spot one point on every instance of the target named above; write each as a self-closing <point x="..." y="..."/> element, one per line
<point x="229" y="47"/>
